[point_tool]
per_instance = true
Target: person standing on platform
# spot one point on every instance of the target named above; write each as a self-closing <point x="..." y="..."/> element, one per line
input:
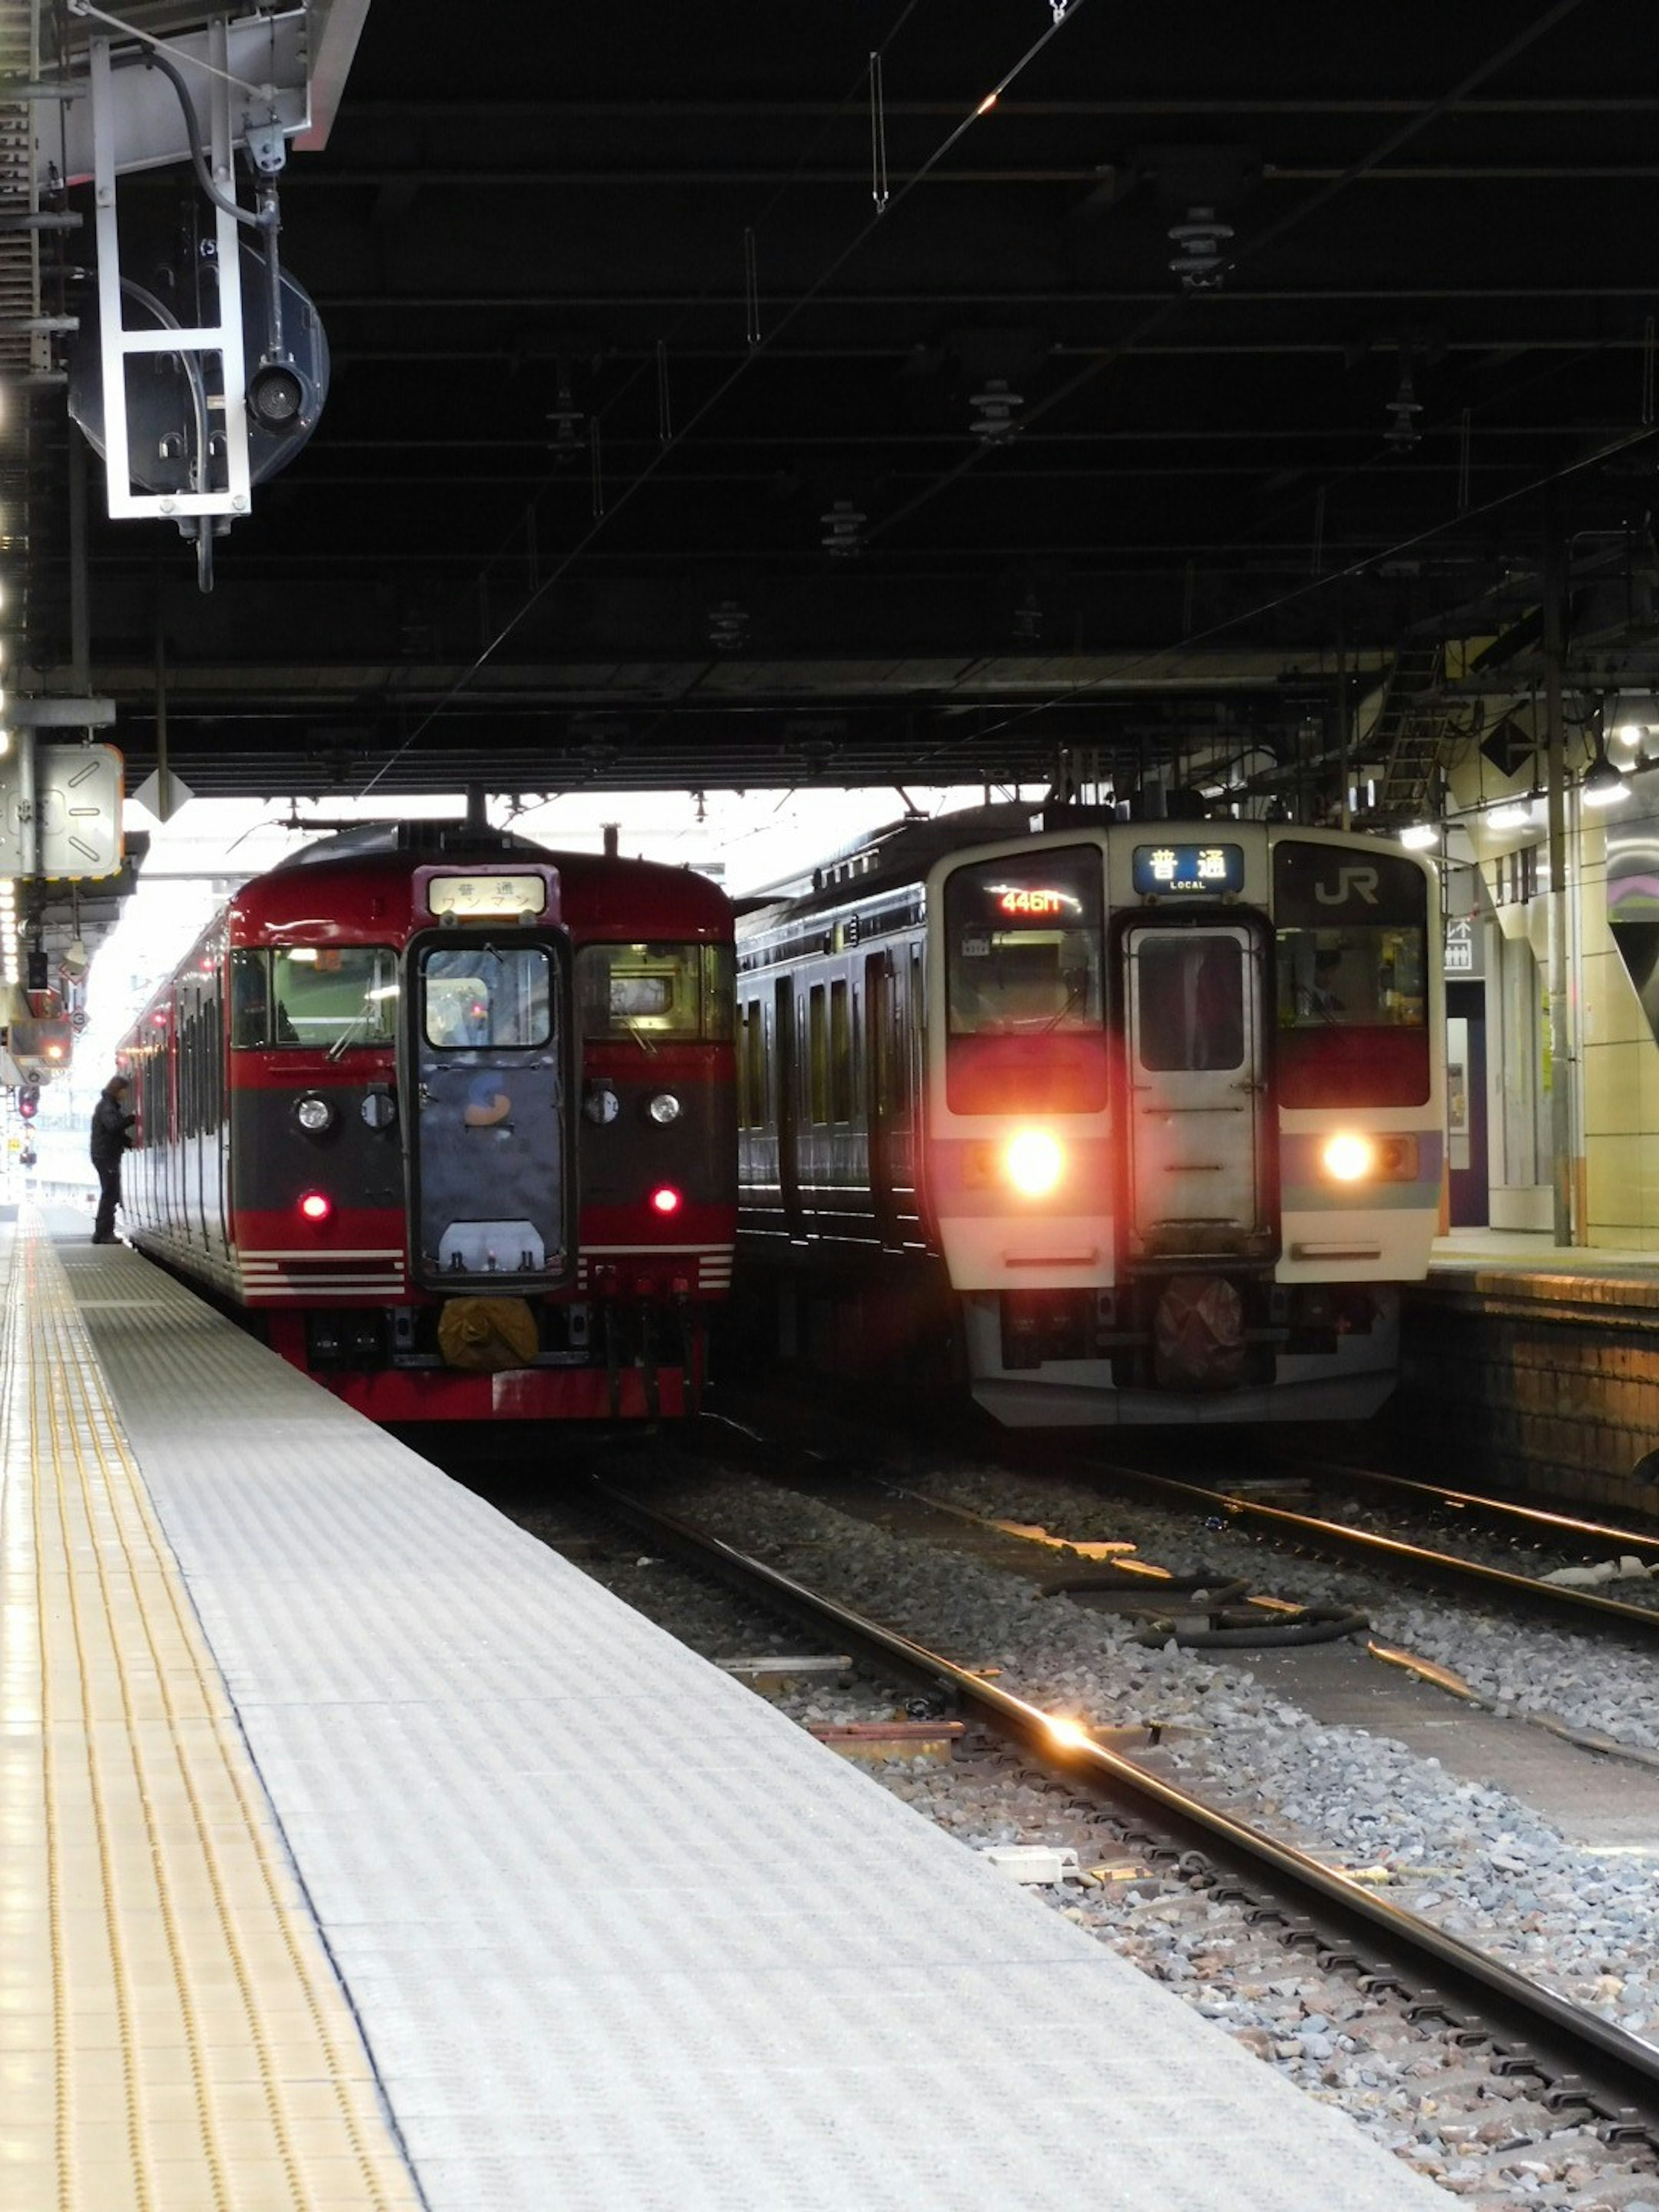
<point x="111" y="1126"/>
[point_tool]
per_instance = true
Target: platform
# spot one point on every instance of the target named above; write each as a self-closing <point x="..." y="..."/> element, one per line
<point x="1529" y="1252"/>
<point x="360" y="1851"/>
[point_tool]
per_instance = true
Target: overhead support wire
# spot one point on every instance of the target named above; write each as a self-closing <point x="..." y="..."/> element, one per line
<point x="668" y="436"/>
<point x="751" y="287"/>
<point x="1136" y="338"/>
<point x="665" y="410"/>
<point x="879" y="191"/>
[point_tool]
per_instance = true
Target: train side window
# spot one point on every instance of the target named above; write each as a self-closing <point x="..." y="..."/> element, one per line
<point x="189" y="1120"/>
<point x="720" y="993"/>
<point x="840" y="1054"/>
<point x="752" y="1077"/>
<point x="250" y="998"/>
<point x="816" y="1057"/>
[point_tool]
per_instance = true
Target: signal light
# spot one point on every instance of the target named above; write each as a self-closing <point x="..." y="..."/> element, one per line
<point x="665" y="1199"/>
<point x="28" y="1100"/>
<point x="316" y="1205"/>
<point x="279" y="396"/>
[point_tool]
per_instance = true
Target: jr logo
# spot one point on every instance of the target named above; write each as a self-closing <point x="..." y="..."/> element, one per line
<point x="1351" y="883"/>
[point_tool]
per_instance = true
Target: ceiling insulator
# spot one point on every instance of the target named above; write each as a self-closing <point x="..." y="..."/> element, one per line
<point x="996" y="409"/>
<point x="843" y="531"/>
<point x="1403" y="411"/>
<point x="568" y="424"/>
<point x="728" y="626"/>
<point x="1198" y="264"/>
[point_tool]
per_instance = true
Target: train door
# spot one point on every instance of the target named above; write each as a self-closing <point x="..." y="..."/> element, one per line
<point x="194" y="1047"/>
<point x="786" y="1072"/>
<point x="489" y="1168"/>
<point x="882" y="1077"/>
<point x="1195" y="1166"/>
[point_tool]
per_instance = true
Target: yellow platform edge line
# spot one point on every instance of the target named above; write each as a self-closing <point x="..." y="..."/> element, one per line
<point x="159" y="1973"/>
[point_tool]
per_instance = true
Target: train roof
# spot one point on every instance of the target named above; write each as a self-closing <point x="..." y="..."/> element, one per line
<point x="898" y="857"/>
<point x="599" y="893"/>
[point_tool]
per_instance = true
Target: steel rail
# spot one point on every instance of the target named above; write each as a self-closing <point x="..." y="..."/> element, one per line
<point x="1585" y="2059"/>
<point x="1578" y="1606"/>
<point x="1539" y="1520"/>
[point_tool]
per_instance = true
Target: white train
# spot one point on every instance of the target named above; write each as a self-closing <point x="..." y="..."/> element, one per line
<point x="1146" y="1118"/>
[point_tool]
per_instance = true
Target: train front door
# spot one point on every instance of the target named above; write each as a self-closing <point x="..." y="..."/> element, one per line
<point x="1195" y="1164"/>
<point x="488" y="1168"/>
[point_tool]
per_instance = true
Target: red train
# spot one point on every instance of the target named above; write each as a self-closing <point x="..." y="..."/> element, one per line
<point x="451" y="1120"/>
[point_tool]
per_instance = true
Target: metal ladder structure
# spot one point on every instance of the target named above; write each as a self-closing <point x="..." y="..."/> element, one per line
<point x="1409" y="732"/>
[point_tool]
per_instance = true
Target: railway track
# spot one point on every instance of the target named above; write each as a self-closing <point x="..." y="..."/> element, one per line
<point x="1421" y="1563"/>
<point x="1506" y="1516"/>
<point x="1586" y="2067"/>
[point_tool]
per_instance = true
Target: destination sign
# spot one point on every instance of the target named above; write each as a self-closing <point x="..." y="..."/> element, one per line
<point x="1165" y="870"/>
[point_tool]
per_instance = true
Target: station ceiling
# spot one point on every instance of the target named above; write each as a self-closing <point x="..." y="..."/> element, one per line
<point x="934" y="391"/>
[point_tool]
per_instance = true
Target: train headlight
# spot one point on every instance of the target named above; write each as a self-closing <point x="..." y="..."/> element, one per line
<point x="316" y="1206"/>
<point x="663" y="1109"/>
<point x="313" y="1115"/>
<point x="1347" y="1157"/>
<point x="1034" y="1162"/>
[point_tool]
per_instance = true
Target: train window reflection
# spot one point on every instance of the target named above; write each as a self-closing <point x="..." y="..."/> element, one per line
<point x="1189" y="1002"/>
<point x="649" y="992"/>
<point x="1355" y="977"/>
<point x="481" y="995"/>
<point x="328" y="996"/>
<point x="1023" y="949"/>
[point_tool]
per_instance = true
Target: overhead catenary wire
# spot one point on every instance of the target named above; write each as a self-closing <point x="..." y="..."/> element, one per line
<point x="1418" y="119"/>
<point x="797" y="307"/>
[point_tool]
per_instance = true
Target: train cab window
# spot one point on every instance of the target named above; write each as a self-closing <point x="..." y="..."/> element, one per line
<point x="480" y="995"/>
<point x="1023" y="950"/>
<point x="651" y="992"/>
<point x="1023" y="983"/>
<point x="329" y="997"/>
<point x="1350" y="964"/>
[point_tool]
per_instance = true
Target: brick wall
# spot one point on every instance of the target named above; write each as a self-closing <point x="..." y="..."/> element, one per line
<point x="1543" y="1383"/>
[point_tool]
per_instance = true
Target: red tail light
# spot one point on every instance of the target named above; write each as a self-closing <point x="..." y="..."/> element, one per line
<point x="316" y="1206"/>
<point x="665" y="1199"/>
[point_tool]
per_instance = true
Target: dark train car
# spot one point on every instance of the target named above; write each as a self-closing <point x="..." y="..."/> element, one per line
<point x="1148" y="1116"/>
<point x="450" y="1118"/>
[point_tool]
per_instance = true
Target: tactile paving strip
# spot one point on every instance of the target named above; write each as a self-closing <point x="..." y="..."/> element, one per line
<point x="172" y="2035"/>
<point x="621" y="1936"/>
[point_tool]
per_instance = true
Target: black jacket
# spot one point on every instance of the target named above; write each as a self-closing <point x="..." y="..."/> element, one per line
<point x="110" y="1124"/>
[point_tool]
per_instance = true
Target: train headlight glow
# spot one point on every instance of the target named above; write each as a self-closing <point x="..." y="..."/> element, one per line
<point x="1347" y="1157"/>
<point x="316" y="1205"/>
<point x="313" y="1115"/>
<point x="663" y="1109"/>
<point x="1034" y="1163"/>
